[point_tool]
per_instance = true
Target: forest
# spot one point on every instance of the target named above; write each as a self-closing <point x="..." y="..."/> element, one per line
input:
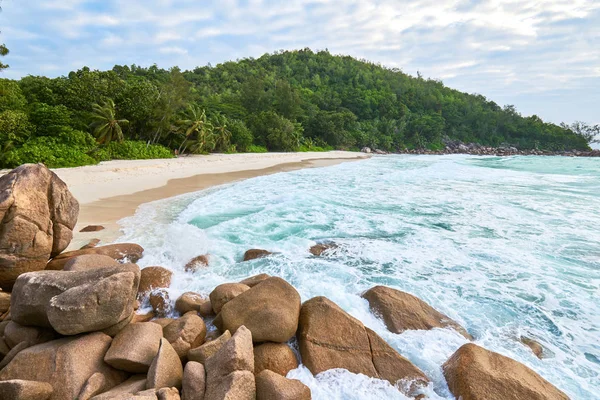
<point x="286" y="101"/>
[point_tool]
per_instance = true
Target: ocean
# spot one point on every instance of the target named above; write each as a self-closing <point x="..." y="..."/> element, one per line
<point x="507" y="247"/>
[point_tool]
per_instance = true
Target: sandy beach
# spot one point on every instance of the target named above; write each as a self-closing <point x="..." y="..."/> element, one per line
<point x="112" y="190"/>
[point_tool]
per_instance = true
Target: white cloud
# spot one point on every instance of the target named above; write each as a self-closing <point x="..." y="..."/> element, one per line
<point x="173" y="50"/>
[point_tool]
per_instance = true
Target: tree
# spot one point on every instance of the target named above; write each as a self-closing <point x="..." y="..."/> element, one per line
<point x="197" y="131"/>
<point x="591" y="133"/>
<point x="221" y="131"/>
<point x="105" y="125"/>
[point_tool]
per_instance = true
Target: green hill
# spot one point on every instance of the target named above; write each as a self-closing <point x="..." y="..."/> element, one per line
<point x="287" y="101"/>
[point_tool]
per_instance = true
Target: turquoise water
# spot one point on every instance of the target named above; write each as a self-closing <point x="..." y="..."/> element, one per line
<point x="505" y="246"/>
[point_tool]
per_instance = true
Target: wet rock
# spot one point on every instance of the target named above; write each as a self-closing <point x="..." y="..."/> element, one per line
<point x="402" y="311"/>
<point x="194" y="381"/>
<point x="206" y="309"/>
<point x="124" y="252"/>
<point x="37" y="217"/>
<point x="225" y="293"/>
<point x="185" y="333"/>
<point x="197" y="262"/>
<point x="272" y="386"/>
<point x="255" y="280"/>
<point x="253" y="254"/>
<point x="476" y="373"/>
<point x="331" y="338"/>
<point x="18" y="389"/>
<point x="202" y="353"/>
<point x="160" y="302"/>
<point x="134" y="348"/>
<point x="320" y="248"/>
<point x="276" y="357"/>
<point x="144" y="317"/>
<point x="230" y="372"/>
<point x="166" y="369"/>
<point x="189" y="301"/>
<point x="269" y="310"/>
<point x="154" y="278"/>
<point x="132" y="385"/>
<point x="73" y="302"/>
<point x="66" y="364"/>
<point x="90" y="261"/>
<point x="92" y="228"/>
<point x="535" y="346"/>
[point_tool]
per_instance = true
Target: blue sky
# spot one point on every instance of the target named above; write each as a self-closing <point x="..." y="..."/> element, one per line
<point x="541" y="55"/>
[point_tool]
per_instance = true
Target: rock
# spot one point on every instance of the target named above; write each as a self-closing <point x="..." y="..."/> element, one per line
<point x="18" y="389"/>
<point x="272" y="386"/>
<point x="168" y="394"/>
<point x="318" y="249"/>
<point x="194" y="381"/>
<point x="132" y="385"/>
<point x="125" y="252"/>
<point x="209" y="349"/>
<point x="4" y="302"/>
<point x="185" y="333"/>
<point x="90" y="244"/>
<point x="145" y="317"/>
<point x="15" y="333"/>
<point x="197" y="262"/>
<point x="366" y="150"/>
<point x="118" y="327"/>
<point x="166" y="369"/>
<point x="189" y="301"/>
<point x="92" y="228"/>
<point x="206" y="309"/>
<point x="253" y="254"/>
<point x="276" y="357"/>
<point x="12" y="353"/>
<point x="73" y="302"/>
<point x="224" y="293"/>
<point x="535" y="346"/>
<point x="160" y="302"/>
<point x="331" y="338"/>
<point x="37" y="217"/>
<point x="163" y="321"/>
<point x="476" y="373"/>
<point x="148" y="394"/>
<point x="66" y="364"/>
<point x="154" y="278"/>
<point x="402" y="311"/>
<point x="90" y="261"/>
<point x="255" y="280"/>
<point x="269" y="310"/>
<point x="230" y="372"/>
<point x="134" y="348"/>
<point x="94" y="385"/>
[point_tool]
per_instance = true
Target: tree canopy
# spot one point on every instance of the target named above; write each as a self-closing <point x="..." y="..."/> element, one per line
<point x="286" y="101"/>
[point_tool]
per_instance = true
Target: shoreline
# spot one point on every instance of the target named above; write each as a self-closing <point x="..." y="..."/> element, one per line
<point x="118" y="189"/>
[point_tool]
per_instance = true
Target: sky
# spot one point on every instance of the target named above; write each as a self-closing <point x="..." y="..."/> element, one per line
<point x="543" y="56"/>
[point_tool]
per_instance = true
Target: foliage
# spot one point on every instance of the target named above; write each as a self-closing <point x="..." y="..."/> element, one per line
<point x="106" y="126"/>
<point x="257" y="149"/>
<point x="134" y="150"/>
<point x="11" y="96"/>
<point x="14" y="127"/>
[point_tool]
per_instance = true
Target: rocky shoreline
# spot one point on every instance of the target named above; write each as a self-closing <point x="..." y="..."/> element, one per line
<point x="475" y="149"/>
<point x="72" y="326"/>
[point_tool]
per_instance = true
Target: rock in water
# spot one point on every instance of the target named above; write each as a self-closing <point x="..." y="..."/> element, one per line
<point x="272" y="386"/>
<point x="475" y="373"/>
<point x="189" y="301"/>
<point x="269" y="310"/>
<point x="253" y="254"/>
<point x="197" y="262"/>
<point x="194" y="381"/>
<point x="402" y="311"/>
<point x="66" y="364"/>
<point x="230" y="372"/>
<point x="534" y="345"/>
<point x="154" y="278"/>
<point x="76" y="301"/>
<point x="37" y="217"/>
<point x="276" y="357"/>
<point x="128" y="252"/>
<point x="331" y="338"/>
<point x="18" y="389"/>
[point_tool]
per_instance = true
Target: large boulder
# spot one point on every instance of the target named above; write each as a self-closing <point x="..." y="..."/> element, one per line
<point x="125" y="252"/>
<point x="37" y="217"/>
<point x="272" y="386"/>
<point x="66" y="364"/>
<point x="269" y="310"/>
<point x="76" y="301"/>
<point x="166" y="369"/>
<point x="15" y="333"/>
<point x="18" y="389"/>
<point x="194" y="381"/>
<point x="277" y="357"/>
<point x="189" y="301"/>
<point x="185" y="333"/>
<point x="202" y="353"/>
<point x="134" y="348"/>
<point x="89" y="261"/>
<point x="255" y="279"/>
<point x="253" y="254"/>
<point x="402" y="311"/>
<point x="133" y="385"/>
<point x="225" y="293"/>
<point x="230" y="372"/>
<point x="331" y="338"/>
<point x="474" y="373"/>
<point x="154" y="278"/>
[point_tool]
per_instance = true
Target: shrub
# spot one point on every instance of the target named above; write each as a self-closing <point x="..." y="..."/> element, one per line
<point x="256" y="149"/>
<point x="136" y="150"/>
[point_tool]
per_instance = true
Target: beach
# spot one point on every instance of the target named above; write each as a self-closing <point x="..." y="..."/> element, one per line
<point x="112" y="190"/>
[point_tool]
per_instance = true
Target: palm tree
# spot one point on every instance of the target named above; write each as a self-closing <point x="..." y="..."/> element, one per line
<point x="197" y="130"/>
<point x="223" y="135"/>
<point x="105" y="124"/>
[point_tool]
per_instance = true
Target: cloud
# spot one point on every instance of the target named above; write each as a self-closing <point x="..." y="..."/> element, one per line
<point x="508" y="50"/>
